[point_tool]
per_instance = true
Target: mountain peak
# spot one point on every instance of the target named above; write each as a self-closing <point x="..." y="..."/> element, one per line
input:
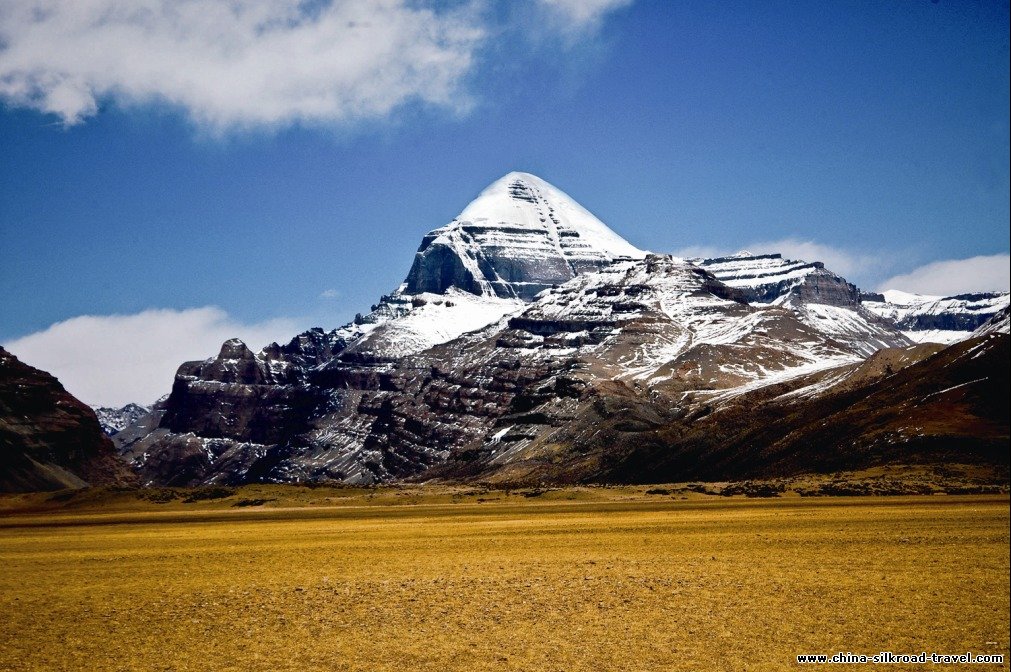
<point x="523" y="199"/>
<point x="519" y="236"/>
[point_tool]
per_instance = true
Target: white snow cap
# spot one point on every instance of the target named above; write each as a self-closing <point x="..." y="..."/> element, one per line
<point x="901" y="298"/>
<point x="524" y="200"/>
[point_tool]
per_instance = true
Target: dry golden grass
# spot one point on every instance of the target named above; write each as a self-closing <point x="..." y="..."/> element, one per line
<point x="572" y="580"/>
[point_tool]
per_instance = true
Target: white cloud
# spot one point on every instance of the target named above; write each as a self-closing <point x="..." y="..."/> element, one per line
<point x="583" y="14"/>
<point x="243" y="62"/>
<point x="329" y="294"/>
<point x="852" y="265"/>
<point x="249" y="63"/>
<point x="847" y="263"/>
<point x="112" y="360"/>
<point x="955" y="276"/>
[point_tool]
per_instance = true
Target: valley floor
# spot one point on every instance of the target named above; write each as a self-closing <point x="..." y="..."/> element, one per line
<point x="568" y="580"/>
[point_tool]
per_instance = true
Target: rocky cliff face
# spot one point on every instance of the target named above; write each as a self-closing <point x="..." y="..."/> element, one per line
<point x="659" y="333"/>
<point x="48" y="439"/>
<point x="228" y="409"/>
<point x="769" y="278"/>
<point x="925" y="404"/>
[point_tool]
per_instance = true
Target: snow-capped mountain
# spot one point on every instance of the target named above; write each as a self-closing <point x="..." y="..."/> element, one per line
<point x="114" y="420"/>
<point x="936" y="319"/>
<point x="518" y="322"/>
<point x="520" y="236"/>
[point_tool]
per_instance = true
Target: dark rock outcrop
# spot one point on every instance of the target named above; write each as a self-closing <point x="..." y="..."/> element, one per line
<point x="48" y="439"/>
<point x="229" y="410"/>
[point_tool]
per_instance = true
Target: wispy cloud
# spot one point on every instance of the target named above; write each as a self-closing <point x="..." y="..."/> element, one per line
<point x="250" y="63"/>
<point x="845" y="262"/>
<point x="580" y="15"/>
<point x="955" y="276"/>
<point x="115" y="359"/>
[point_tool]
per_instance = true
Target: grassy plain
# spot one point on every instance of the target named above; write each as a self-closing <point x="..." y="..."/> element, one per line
<point x="411" y="579"/>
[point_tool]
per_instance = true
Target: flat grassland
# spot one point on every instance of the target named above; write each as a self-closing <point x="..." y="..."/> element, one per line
<point x="570" y="580"/>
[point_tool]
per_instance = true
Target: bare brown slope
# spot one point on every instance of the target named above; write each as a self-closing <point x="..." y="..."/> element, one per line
<point x="902" y="406"/>
<point x="949" y="407"/>
<point x="48" y="439"/>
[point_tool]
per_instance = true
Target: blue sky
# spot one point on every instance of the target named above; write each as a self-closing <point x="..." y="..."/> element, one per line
<point x="872" y="134"/>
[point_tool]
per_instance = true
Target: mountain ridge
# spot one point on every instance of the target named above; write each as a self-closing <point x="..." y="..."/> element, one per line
<point x="940" y="319"/>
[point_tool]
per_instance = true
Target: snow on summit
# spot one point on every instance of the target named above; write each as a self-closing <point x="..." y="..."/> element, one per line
<point x="521" y="235"/>
<point x="524" y="200"/>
